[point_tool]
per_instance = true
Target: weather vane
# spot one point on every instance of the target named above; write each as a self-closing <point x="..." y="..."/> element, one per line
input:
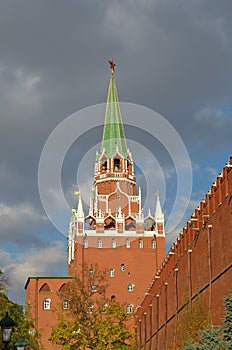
<point x="112" y="65"/>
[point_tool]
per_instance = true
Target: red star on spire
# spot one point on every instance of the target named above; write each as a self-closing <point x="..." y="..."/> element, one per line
<point x="112" y="65"/>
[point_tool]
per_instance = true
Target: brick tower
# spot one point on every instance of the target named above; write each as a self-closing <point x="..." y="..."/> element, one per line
<point x="115" y="234"/>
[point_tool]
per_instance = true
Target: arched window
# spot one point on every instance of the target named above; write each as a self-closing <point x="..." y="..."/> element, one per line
<point x="129" y="308"/>
<point x="153" y="244"/>
<point x="130" y="287"/>
<point x="99" y="243"/>
<point x="122" y="267"/>
<point x="104" y="165"/>
<point x="140" y="244"/>
<point x="114" y="244"/>
<point x="63" y="288"/>
<point x="86" y="244"/>
<point x="45" y="288"/>
<point x="47" y="304"/>
<point x="116" y="164"/>
<point x="127" y="243"/>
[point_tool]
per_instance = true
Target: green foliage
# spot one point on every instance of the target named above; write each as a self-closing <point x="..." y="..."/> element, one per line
<point x="215" y="338"/>
<point x="210" y="339"/>
<point x="227" y="328"/>
<point x="92" y="321"/>
<point x="191" y="322"/>
<point x="16" y="312"/>
<point x="3" y="282"/>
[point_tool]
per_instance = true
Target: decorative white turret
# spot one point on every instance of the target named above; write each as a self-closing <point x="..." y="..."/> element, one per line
<point x="159" y="216"/>
<point x="80" y="216"/>
<point x="158" y="210"/>
<point x="80" y="212"/>
<point x="71" y="236"/>
<point x="90" y="207"/>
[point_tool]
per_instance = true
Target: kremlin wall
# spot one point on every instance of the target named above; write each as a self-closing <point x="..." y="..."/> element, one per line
<point x="197" y="270"/>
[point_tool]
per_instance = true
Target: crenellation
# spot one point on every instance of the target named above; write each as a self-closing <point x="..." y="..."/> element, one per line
<point x="195" y="272"/>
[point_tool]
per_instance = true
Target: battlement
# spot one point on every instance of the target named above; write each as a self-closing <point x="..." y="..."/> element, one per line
<point x="197" y="266"/>
<point x="203" y="214"/>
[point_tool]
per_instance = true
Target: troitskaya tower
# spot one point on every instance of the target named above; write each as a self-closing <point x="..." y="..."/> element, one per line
<point x="115" y="234"/>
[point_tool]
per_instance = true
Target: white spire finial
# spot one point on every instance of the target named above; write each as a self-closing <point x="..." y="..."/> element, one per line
<point x="80" y="212"/>
<point x="95" y="200"/>
<point x="158" y="210"/>
<point x="90" y="206"/>
<point x="140" y="200"/>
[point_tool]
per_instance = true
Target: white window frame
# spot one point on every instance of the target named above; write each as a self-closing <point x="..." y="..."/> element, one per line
<point x="127" y="243"/>
<point x="93" y="288"/>
<point x="129" y="308"/>
<point x="65" y="304"/>
<point x="47" y="304"/>
<point x="112" y="274"/>
<point x="114" y="243"/>
<point x="99" y="243"/>
<point x="140" y="244"/>
<point x="130" y="287"/>
<point x="153" y="244"/>
<point x="86" y="243"/>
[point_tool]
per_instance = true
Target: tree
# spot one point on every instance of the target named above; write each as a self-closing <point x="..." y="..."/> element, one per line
<point x="209" y="339"/>
<point x="16" y="312"/>
<point x="227" y="328"/>
<point x="92" y="320"/>
<point x="190" y="325"/>
<point x="3" y="282"/>
<point x="218" y="337"/>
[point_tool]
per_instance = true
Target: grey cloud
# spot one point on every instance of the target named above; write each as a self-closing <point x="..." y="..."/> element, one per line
<point x="49" y="260"/>
<point x="171" y="56"/>
<point x="18" y="225"/>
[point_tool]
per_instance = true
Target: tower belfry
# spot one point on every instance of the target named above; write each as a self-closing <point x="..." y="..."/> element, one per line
<point x="115" y="220"/>
<point x="114" y="178"/>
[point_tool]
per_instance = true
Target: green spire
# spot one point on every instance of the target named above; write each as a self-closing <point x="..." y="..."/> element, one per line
<point x="113" y="138"/>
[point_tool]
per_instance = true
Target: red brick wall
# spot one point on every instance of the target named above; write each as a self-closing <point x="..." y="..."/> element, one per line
<point x="44" y="320"/>
<point x="134" y="258"/>
<point x="197" y="269"/>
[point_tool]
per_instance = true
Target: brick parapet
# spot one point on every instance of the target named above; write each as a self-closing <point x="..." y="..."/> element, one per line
<point x="198" y="265"/>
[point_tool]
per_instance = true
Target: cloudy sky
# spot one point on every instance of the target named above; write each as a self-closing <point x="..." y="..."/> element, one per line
<point x="173" y="57"/>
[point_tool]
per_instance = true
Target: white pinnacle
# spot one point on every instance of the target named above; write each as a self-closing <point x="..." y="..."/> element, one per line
<point x="80" y="212"/>
<point x="158" y="210"/>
